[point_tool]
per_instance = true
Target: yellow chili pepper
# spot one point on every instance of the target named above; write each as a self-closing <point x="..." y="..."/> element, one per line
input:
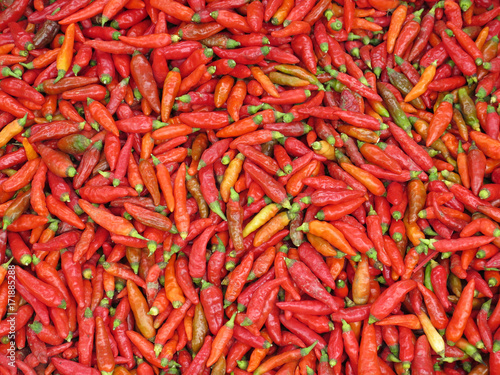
<point x="325" y="149"/>
<point x="436" y="341"/>
<point x="264" y="215"/>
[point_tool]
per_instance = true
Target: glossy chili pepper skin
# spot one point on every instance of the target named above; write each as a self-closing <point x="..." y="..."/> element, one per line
<point x="143" y="76"/>
<point x="212" y="300"/>
<point x="311" y="285"/>
<point x="396" y="293"/>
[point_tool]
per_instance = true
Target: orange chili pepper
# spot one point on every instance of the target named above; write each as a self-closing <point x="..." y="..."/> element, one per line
<point x="65" y="55"/>
<point x="328" y="232"/>
<point x="482" y="37"/>
<point x="222" y="90"/>
<point x="321" y="245"/>
<point x="235" y="99"/>
<point x="361" y="283"/>
<point x="440" y="120"/>
<point x="6" y="48"/>
<point x="231" y="176"/>
<point x="171" y="88"/>
<point x="272" y="227"/>
<point x="373" y="184"/>
<point x="397" y="20"/>
<point x="264" y="80"/>
<point x="173" y="290"/>
<point x="424" y="81"/>
<point x="221" y="340"/>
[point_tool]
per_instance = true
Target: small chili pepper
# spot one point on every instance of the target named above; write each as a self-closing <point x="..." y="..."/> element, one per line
<point x="65" y="55"/>
<point x="457" y="323"/>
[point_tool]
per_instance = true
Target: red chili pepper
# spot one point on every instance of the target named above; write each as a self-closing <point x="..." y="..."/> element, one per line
<point x="67" y="367"/>
<point x="459" y="319"/>
<point x="308" y="282"/>
<point x="46" y="293"/>
<point x="271" y="187"/>
<point x="212" y="300"/>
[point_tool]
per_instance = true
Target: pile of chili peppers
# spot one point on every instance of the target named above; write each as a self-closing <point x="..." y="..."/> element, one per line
<point x="233" y="186"/>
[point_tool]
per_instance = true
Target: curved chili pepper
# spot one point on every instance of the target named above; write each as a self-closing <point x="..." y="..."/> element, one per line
<point x="212" y="300"/>
<point x="46" y="293"/>
<point x="459" y="319"/>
